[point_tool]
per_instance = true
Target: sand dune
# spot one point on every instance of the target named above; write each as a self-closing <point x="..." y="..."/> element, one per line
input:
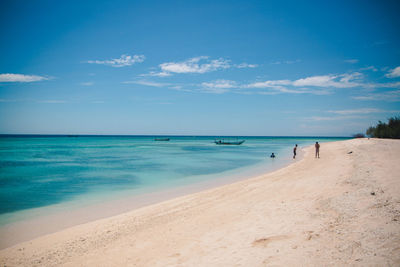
<point x="341" y="209"/>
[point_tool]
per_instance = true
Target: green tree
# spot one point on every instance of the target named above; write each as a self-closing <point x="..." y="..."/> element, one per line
<point x="386" y="130"/>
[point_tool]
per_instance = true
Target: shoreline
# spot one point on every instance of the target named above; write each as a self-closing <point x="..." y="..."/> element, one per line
<point x="341" y="209"/>
<point x="62" y="216"/>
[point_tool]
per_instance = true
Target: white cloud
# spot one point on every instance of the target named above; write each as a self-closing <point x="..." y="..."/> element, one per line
<point x="333" y="118"/>
<point x="157" y="74"/>
<point x="180" y="88"/>
<point x="369" y="68"/>
<point x="201" y="64"/>
<point x="123" y="61"/>
<point x="373" y="86"/>
<point x="213" y="90"/>
<point x="10" y="77"/>
<point x="351" y="61"/>
<point x="285" y="62"/>
<point x="283" y="86"/>
<point x="276" y="84"/>
<point x="246" y="65"/>
<point x="388" y="85"/>
<point x="52" y="101"/>
<point x="87" y="83"/>
<point x="394" y="73"/>
<point x="147" y="83"/>
<point x="315" y="81"/>
<point x="3" y="100"/>
<point x="350" y="114"/>
<point x="224" y="86"/>
<point x="218" y="86"/>
<point x="336" y="81"/>
<point x="194" y="65"/>
<point x="176" y="87"/>
<point x="325" y="81"/>
<point x="317" y="85"/>
<point x="390" y="96"/>
<point x="357" y="111"/>
<point x="324" y="84"/>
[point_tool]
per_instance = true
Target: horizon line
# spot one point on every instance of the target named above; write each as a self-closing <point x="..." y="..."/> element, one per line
<point x="170" y="135"/>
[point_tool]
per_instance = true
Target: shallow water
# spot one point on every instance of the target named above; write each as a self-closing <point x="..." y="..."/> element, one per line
<point x="40" y="171"/>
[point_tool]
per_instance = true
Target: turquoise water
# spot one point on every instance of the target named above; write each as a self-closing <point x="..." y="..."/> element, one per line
<point x="38" y="171"/>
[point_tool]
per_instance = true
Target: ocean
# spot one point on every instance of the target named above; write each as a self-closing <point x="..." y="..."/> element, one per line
<point x="43" y="171"/>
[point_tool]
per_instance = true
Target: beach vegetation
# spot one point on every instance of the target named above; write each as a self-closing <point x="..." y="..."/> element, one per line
<point x="358" y="135"/>
<point x="391" y="129"/>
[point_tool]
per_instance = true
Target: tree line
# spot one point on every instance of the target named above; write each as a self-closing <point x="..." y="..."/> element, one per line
<point x="391" y="129"/>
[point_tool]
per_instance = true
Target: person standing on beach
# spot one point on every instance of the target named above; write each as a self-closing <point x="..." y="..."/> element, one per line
<point x="294" y="151"/>
<point x="317" y="149"/>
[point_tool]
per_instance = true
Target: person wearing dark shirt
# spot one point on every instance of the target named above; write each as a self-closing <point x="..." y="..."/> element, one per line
<point x="317" y="150"/>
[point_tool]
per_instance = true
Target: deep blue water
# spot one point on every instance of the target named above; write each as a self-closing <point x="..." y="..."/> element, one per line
<point x="37" y="171"/>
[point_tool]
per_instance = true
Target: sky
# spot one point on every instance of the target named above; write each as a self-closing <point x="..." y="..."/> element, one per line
<point x="266" y="68"/>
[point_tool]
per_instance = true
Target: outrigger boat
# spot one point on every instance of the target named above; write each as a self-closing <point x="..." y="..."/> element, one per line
<point x="222" y="142"/>
<point x="161" y="139"/>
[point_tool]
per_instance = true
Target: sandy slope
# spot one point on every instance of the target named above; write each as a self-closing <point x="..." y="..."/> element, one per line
<point x="341" y="209"/>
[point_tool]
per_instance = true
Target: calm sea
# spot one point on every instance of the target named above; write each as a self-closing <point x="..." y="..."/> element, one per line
<point x="39" y="171"/>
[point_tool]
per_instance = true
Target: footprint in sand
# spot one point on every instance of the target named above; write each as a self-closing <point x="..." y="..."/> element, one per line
<point x="310" y="235"/>
<point x="263" y="242"/>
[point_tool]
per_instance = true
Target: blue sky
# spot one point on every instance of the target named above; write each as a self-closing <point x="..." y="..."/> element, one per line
<point x="328" y="68"/>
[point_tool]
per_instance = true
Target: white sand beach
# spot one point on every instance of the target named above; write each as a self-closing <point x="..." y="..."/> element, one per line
<point x="340" y="209"/>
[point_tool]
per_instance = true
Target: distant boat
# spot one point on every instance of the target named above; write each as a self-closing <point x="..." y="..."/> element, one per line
<point x="222" y="142"/>
<point x="161" y="139"/>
